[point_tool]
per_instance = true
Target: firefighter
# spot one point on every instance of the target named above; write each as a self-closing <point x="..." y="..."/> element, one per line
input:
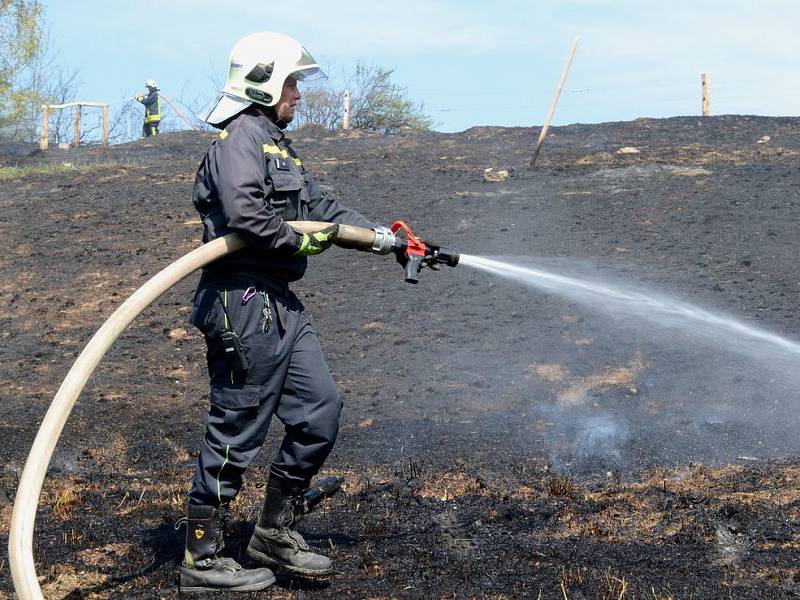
<point x="152" y="109"/>
<point x="264" y="357"/>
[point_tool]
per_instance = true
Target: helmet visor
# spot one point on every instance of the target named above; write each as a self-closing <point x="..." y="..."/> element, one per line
<point x="308" y="71"/>
<point x="312" y="75"/>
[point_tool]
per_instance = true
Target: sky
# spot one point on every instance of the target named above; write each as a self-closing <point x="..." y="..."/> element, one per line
<point x="469" y="63"/>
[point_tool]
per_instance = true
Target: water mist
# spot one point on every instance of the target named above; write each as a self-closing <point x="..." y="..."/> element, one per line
<point x="742" y="409"/>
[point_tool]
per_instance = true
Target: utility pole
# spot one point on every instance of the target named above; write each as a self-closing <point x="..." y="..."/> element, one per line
<point x="346" y="118"/>
<point x="554" y="103"/>
<point x="706" y="86"/>
<point x="105" y="124"/>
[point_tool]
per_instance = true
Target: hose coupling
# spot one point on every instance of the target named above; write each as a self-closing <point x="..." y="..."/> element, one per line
<point x="384" y="241"/>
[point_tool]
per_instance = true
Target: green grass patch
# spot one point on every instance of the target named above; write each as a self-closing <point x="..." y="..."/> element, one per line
<point x="11" y="173"/>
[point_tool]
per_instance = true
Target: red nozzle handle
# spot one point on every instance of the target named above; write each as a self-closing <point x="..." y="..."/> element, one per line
<point x="413" y="244"/>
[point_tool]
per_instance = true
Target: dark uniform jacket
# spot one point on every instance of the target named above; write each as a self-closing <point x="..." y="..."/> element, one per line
<point x="251" y="182"/>
<point x="152" y="107"/>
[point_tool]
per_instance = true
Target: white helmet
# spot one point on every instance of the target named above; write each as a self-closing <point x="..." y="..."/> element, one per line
<point x="258" y="66"/>
<point x="150" y="84"/>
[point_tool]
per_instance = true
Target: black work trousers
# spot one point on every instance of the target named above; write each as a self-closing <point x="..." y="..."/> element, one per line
<point x="150" y="129"/>
<point x="286" y="376"/>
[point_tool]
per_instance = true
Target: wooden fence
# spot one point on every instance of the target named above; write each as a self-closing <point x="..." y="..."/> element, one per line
<point x="44" y="140"/>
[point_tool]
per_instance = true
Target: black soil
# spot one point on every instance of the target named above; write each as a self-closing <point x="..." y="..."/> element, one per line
<point x="497" y="441"/>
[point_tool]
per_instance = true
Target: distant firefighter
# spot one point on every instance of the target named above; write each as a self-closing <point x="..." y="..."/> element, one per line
<point x="152" y="109"/>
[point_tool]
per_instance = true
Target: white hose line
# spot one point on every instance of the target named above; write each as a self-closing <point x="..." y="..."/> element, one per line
<point x="20" y="539"/>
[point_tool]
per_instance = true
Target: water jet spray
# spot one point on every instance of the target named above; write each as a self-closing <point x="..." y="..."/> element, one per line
<point x="658" y="309"/>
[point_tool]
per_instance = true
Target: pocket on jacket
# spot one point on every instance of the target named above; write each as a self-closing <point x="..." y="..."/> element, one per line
<point x="284" y="181"/>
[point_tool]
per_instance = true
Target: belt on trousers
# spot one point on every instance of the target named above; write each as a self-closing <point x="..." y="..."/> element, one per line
<point x="244" y="280"/>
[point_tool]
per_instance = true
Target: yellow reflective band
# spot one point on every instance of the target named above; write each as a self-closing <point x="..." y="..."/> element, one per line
<point x="298" y="162"/>
<point x="270" y="149"/>
<point x="223" y="134"/>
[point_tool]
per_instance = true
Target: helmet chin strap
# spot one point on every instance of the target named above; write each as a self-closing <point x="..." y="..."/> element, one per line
<point x="272" y="115"/>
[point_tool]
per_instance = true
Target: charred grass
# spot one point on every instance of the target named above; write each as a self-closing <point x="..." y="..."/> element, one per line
<point x="443" y="498"/>
<point x="415" y="530"/>
<point x="16" y="173"/>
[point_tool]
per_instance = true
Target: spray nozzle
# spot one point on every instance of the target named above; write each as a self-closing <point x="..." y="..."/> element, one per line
<point x="414" y="254"/>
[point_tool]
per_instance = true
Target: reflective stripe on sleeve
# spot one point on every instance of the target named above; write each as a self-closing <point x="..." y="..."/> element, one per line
<point x="273" y="149"/>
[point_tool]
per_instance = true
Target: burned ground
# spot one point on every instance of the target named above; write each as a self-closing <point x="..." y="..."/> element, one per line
<point x="497" y="441"/>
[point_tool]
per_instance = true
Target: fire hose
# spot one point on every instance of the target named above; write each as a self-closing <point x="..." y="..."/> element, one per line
<point x="411" y="252"/>
<point x="179" y="113"/>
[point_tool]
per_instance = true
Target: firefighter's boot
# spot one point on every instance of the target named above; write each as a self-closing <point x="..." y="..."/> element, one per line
<point x="276" y="544"/>
<point x="203" y="569"/>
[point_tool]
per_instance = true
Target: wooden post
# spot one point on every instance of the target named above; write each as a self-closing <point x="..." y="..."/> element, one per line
<point x="105" y="124"/>
<point x="346" y="119"/>
<point x="76" y="130"/>
<point x="44" y="139"/>
<point x="553" y="104"/>
<point x="706" y="94"/>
